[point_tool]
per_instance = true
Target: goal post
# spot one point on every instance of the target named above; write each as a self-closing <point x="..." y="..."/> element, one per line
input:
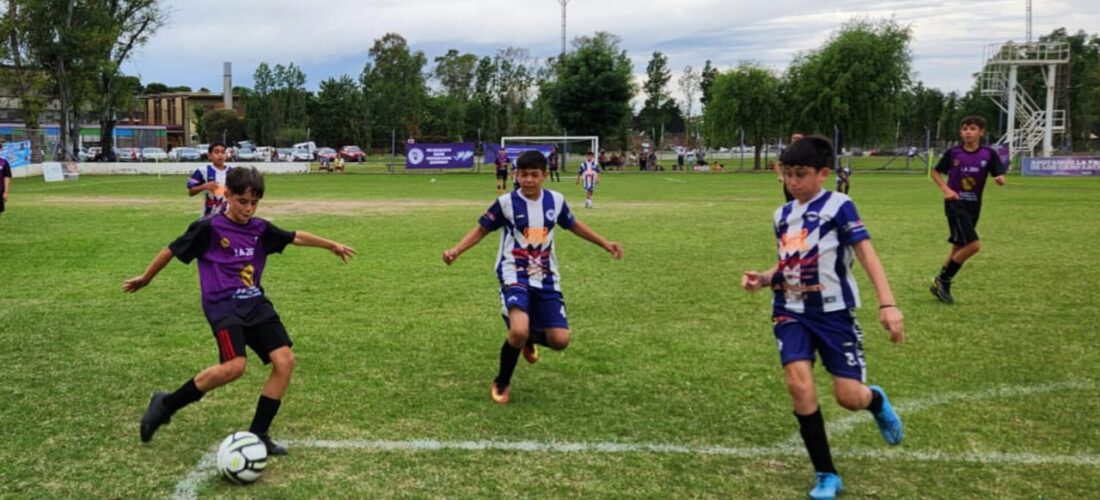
<point x="562" y="142"/>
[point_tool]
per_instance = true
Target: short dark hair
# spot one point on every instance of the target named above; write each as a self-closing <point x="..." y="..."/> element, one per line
<point x="972" y="120"/>
<point x="811" y="151"/>
<point x="531" y="160"/>
<point x="241" y="180"/>
<point x="589" y="153"/>
<point x="210" y="149"/>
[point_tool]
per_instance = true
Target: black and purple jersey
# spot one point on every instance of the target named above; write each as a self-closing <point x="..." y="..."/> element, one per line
<point x="502" y="162"/>
<point x="967" y="170"/>
<point x="231" y="255"/>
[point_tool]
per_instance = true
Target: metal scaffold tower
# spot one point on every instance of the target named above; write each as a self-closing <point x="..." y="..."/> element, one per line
<point x="1028" y="125"/>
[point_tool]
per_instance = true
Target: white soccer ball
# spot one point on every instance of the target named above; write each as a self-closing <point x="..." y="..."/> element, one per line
<point x="242" y="457"/>
<point x="433" y="179"/>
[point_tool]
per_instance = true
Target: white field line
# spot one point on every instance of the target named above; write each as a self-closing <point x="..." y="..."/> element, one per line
<point x="670" y="179"/>
<point x="205" y="468"/>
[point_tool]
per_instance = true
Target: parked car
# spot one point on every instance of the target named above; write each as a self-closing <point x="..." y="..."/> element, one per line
<point x="326" y="154"/>
<point x="310" y="147"/>
<point x="184" y="154"/>
<point x="153" y="154"/>
<point x="352" y="153"/>
<point x="247" y="154"/>
<point x="301" y="154"/>
<point x="129" y="154"/>
<point x="204" y="150"/>
<point x="285" y="154"/>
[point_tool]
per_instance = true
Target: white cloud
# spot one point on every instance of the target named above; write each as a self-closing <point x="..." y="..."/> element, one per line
<point x="330" y="37"/>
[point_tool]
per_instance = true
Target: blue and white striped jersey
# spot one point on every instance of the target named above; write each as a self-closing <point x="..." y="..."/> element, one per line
<point x="814" y="243"/>
<point x="526" y="255"/>
<point x="589" y="172"/>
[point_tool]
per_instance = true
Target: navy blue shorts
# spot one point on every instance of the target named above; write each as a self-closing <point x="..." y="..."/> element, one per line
<point x="835" y="336"/>
<point x="546" y="308"/>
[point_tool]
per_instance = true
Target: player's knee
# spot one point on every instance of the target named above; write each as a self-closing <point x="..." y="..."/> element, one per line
<point x="558" y="340"/>
<point x="518" y="336"/>
<point x="975" y="246"/>
<point x="283" y="360"/>
<point x="800" y="386"/>
<point x="233" y="369"/>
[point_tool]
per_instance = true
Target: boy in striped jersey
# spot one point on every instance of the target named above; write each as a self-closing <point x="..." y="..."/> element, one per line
<point x="526" y="265"/>
<point x="590" y="174"/>
<point x="815" y="296"/>
<point x="211" y="181"/>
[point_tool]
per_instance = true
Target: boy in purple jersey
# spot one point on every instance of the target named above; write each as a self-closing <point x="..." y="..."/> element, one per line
<point x="530" y="293"/>
<point x="966" y="167"/>
<point x="815" y="300"/>
<point x="211" y="181"/>
<point x="502" y="165"/>
<point x="232" y="250"/>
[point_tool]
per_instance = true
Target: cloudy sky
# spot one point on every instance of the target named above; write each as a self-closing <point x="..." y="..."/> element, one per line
<point x="331" y="37"/>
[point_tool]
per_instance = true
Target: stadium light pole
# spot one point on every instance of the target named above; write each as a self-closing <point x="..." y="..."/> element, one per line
<point x="563" y="4"/>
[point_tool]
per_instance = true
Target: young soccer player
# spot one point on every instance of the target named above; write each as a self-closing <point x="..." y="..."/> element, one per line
<point x="814" y="299"/>
<point x="966" y="167"/>
<point x="530" y="290"/>
<point x="843" y="178"/>
<point x="590" y="173"/>
<point x="211" y="181"/>
<point x="553" y="160"/>
<point x="5" y="183"/>
<point x="502" y="164"/>
<point x="232" y="250"/>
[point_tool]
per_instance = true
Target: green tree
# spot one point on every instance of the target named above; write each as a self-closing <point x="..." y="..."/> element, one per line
<point x="652" y="117"/>
<point x="395" y="89"/>
<point x="853" y="81"/>
<point x="29" y="83"/>
<point x="455" y="73"/>
<point x="592" y="90"/>
<point x="339" y="109"/>
<point x="746" y="98"/>
<point x="689" y="88"/>
<point x="706" y="79"/>
<point x="223" y="124"/>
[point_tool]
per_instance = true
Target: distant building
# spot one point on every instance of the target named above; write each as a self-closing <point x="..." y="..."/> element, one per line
<point x="175" y="112"/>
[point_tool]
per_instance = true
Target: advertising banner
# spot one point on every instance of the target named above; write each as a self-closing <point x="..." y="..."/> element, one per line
<point x="1062" y="165"/>
<point x="455" y="155"/>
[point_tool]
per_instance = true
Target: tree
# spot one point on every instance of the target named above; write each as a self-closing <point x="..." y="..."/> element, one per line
<point x="706" y="79"/>
<point x="689" y="87"/>
<point x="156" y="88"/>
<point x="853" y="81"/>
<point x="394" y="86"/>
<point x="223" y="125"/>
<point x="746" y="98"/>
<point x="652" y="116"/>
<point x="29" y="83"/>
<point x="592" y="90"/>
<point x="339" y="106"/>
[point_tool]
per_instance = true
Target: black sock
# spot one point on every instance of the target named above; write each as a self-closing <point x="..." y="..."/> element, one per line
<point x="948" y="272"/>
<point x="187" y="393"/>
<point x="266" y="409"/>
<point x="812" y="428"/>
<point x="876" y="403"/>
<point x="538" y="337"/>
<point x="508" y="357"/>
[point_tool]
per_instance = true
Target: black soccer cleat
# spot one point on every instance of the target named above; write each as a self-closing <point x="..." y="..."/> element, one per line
<point x="942" y="290"/>
<point x="273" y="448"/>
<point x="155" y="416"/>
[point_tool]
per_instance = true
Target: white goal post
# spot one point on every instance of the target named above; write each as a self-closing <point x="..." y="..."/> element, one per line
<point x="561" y="141"/>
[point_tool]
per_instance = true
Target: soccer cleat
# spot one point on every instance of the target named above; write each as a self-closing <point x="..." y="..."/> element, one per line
<point x="942" y="290"/>
<point x="273" y="448"/>
<point x="531" y="353"/>
<point x="155" y="416"/>
<point x="889" y="424"/>
<point x="500" y="397"/>
<point x="828" y="485"/>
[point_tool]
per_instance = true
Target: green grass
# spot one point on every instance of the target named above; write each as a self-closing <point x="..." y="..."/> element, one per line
<point x="666" y="347"/>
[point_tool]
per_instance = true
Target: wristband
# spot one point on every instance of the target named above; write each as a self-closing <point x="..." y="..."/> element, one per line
<point x="884" y="306"/>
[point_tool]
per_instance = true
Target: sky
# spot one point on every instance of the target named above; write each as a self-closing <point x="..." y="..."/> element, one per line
<point x="330" y="38"/>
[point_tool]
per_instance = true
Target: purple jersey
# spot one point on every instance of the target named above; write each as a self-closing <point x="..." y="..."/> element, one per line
<point x="502" y="161"/>
<point x="231" y="255"/>
<point x="967" y="170"/>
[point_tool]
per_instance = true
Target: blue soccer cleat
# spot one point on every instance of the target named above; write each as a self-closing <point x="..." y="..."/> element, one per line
<point x="828" y="485"/>
<point x="889" y="424"/>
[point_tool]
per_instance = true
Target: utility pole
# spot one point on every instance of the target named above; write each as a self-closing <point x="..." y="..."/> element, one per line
<point x="1028" y="21"/>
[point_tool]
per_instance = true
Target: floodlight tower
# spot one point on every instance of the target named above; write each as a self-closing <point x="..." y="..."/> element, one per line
<point x="1028" y="21"/>
<point x="563" y="4"/>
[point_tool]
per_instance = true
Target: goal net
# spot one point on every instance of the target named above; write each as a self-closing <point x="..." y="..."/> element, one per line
<point x="566" y="146"/>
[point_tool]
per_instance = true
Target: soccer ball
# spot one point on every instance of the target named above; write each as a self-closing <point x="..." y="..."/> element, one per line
<point x="242" y="457"/>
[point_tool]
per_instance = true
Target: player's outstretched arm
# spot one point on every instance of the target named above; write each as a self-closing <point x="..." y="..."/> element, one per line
<point x="200" y="188"/>
<point x="752" y="281"/>
<point x="888" y="314"/>
<point x="304" y="239"/>
<point x="138" y="282"/>
<point x="613" y="247"/>
<point x="472" y="238"/>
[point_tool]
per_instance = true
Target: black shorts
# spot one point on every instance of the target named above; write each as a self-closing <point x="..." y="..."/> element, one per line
<point x="253" y="323"/>
<point x="502" y="174"/>
<point x="962" y="221"/>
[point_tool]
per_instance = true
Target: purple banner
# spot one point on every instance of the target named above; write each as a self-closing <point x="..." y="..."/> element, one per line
<point x="514" y="150"/>
<point x="454" y="155"/>
<point x="1063" y="165"/>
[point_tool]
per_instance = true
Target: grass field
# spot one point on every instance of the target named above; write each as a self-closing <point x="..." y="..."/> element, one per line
<point x="396" y="351"/>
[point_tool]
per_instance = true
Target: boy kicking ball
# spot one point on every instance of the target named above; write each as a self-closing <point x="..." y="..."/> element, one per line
<point x="814" y="300"/>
